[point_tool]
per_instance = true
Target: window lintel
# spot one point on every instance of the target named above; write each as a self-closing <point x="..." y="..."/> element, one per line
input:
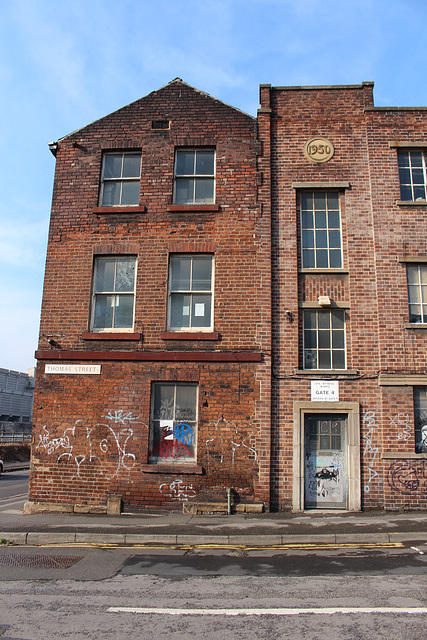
<point x="408" y="144"/>
<point x="335" y="304"/>
<point x="410" y="258"/>
<point x="317" y="186"/>
<point x="402" y="379"/>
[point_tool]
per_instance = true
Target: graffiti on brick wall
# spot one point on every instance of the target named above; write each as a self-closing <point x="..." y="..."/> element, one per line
<point x="228" y="440"/>
<point x="173" y="441"/>
<point x="52" y="444"/>
<point x="370" y="452"/>
<point x="402" y="424"/>
<point x="421" y="432"/>
<point x="408" y="477"/>
<point x="101" y="450"/>
<point x="121" y="417"/>
<point x="178" y="490"/>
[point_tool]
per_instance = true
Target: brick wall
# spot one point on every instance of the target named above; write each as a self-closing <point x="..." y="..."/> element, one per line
<point x="77" y="458"/>
<point x="94" y="441"/>
<point x="399" y="234"/>
<point x="370" y="287"/>
<point x="92" y="432"/>
<point x="79" y="231"/>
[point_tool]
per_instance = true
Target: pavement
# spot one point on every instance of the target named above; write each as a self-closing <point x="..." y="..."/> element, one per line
<point x="181" y="529"/>
<point x="154" y="528"/>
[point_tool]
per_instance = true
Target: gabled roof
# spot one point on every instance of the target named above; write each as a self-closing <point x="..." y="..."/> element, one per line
<point x="177" y="81"/>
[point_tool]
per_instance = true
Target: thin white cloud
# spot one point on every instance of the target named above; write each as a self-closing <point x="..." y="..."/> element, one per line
<point x="50" y="49"/>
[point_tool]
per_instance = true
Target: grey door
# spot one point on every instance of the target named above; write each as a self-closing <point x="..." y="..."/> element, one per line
<point x="325" y="473"/>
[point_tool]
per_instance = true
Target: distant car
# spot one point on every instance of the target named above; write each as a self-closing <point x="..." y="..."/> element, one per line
<point x="1" y="467"/>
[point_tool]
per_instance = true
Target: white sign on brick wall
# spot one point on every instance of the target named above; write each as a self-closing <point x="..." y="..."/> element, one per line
<point x="79" y="369"/>
<point x="324" y="391"/>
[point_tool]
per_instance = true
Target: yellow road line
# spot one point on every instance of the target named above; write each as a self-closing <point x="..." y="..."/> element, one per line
<point x="229" y="547"/>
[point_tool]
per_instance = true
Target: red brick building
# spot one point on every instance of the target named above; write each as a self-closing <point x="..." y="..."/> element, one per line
<point x="153" y="365"/>
<point x="349" y="290"/>
<point x="236" y="304"/>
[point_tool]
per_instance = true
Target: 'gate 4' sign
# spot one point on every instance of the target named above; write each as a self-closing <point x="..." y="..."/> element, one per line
<point x="324" y="391"/>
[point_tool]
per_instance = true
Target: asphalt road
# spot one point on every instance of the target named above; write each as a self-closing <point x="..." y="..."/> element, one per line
<point x="76" y="593"/>
<point x="13" y="492"/>
<point x="14" y="483"/>
<point x="85" y="592"/>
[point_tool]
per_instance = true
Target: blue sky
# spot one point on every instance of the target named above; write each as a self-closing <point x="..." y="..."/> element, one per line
<point x="64" y="64"/>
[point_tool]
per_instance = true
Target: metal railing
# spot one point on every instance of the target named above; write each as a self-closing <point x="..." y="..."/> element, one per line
<point x="14" y="438"/>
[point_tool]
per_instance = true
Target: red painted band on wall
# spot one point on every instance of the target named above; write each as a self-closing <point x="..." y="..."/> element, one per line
<point x="152" y="356"/>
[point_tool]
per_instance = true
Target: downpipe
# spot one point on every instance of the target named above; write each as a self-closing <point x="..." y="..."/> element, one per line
<point x="229" y="500"/>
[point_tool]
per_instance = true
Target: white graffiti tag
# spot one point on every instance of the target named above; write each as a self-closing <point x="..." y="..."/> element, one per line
<point x="227" y="436"/>
<point x="121" y="417"/>
<point x="51" y="444"/>
<point x="177" y="490"/>
<point x="401" y="422"/>
<point x="370" y="450"/>
<point x="99" y="450"/>
<point x="79" y="452"/>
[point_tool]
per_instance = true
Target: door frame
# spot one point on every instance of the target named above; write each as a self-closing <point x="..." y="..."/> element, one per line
<point x="352" y="409"/>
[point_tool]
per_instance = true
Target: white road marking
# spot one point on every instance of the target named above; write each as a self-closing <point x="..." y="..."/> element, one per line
<point x="267" y="612"/>
<point x="18" y="496"/>
<point x="6" y="503"/>
<point x="419" y="551"/>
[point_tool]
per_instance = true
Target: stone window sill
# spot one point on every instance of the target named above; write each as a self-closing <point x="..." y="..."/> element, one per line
<point x="411" y="203"/>
<point x="322" y="271"/>
<point x="326" y="372"/>
<point x="403" y="455"/>
<point x="111" y="335"/>
<point x="415" y="325"/>
<point x="190" y="208"/>
<point x="173" y="468"/>
<point x="120" y="209"/>
<point x="189" y="335"/>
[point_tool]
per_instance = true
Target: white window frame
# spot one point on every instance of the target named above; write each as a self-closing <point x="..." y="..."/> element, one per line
<point x="190" y="292"/>
<point x="194" y="175"/>
<point x="120" y="180"/>
<point x="317" y="349"/>
<point x="422" y="292"/>
<point x="408" y="166"/>
<point x="157" y="459"/>
<point x="420" y="419"/>
<point x="114" y="293"/>
<point x="315" y="229"/>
